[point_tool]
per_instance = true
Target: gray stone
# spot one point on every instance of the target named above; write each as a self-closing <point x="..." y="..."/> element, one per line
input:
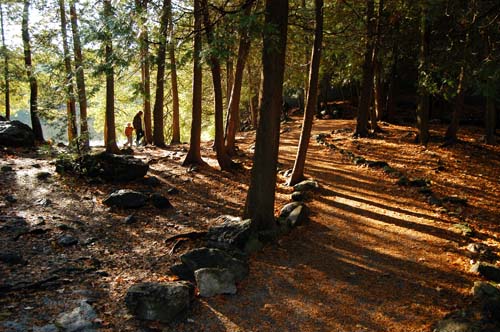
<point x="67" y="240"/>
<point x="43" y="202"/>
<point x="160" y="201"/>
<point x="297" y="217"/>
<point x="215" y="258"/>
<point x="306" y="185"/>
<point x="288" y="208"/>
<point x="80" y="319"/>
<point x="376" y="164"/>
<point x="46" y="328"/>
<point x="16" y="134"/>
<point x="213" y="281"/>
<point x="158" y="301"/>
<point x="488" y="271"/>
<point x="232" y="233"/>
<point x="130" y="219"/>
<point x="126" y="198"/>
<point x="485" y="290"/>
<point x="456" y="325"/>
<point x="298" y="196"/>
<point x="151" y="181"/>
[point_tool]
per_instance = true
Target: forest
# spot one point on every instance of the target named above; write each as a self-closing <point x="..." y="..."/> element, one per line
<point x="323" y="165"/>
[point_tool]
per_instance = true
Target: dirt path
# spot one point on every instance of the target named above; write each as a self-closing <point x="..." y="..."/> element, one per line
<point x="373" y="258"/>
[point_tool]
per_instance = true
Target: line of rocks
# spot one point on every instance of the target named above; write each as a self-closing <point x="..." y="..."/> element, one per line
<point x="215" y="268"/>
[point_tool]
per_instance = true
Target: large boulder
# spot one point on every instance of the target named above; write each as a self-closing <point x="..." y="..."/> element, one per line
<point x="110" y="167"/>
<point x="126" y="198"/>
<point x="232" y="233"/>
<point x="488" y="271"/>
<point x="80" y="319"/>
<point x="158" y="301"/>
<point x="16" y="134"/>
<point x="215" y="258"/>
<point x="213" y="281"/>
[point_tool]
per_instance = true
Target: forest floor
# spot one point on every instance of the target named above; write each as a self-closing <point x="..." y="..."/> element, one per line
<point x="375" y="256"/>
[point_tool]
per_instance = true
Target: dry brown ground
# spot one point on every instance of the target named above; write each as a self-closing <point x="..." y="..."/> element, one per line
<point x="374" y="257"/>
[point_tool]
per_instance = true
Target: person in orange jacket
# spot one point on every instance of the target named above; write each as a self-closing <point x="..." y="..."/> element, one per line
<point x="128" y="132"/>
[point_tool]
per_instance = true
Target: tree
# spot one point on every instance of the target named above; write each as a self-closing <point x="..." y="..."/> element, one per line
<point x="80" y="76"/>
<point x="312" y="94"/>
<point x="35" y="120"/>
<point x="142" y="11"/>
<point x="376" y="110"/>
<point x="158" y="135"/>
<point x="70" y="102"/>
<point x="176" y="131"/>
<point x="222" y="157"/>
<point x="110" y="130"/>
<point x="6" y="67"/>
<point x="193" y="156"/>
<point x="367" y="81"/>
<point x="235" y="93"/>
<point x="259" y="205"/>
<point x="423" y="94"/>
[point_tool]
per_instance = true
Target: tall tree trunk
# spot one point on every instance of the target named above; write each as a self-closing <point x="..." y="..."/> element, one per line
<point x="423" y="95"/>
<point x="194" y="154"/>
<point x="158" y="132"/>
<point x="80" y="77"/>
<point x="307" y="53"/>
<point x="259" y="206"/>
<point x="312" y="101"/>
<point x="222" y="157"/>
<point x="70" y="91"/>
<point x="35" y="120"/>
<point x="254" y="96"/>
<point x="229" y="79"/>
<point x="376" y="110"/>
<point x="176" y="130"/>
<point x="6" y="67"/>
<point x="142" y="12"/>
<point x="110" y="138"/>
<point x="393" y="81"/>
<point x="234" y="101"/>
<point x="458" y="109"/>
<point x="367" y="81"/>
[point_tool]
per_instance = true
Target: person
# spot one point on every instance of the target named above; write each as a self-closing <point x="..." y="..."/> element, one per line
<point x="128" y="132"/>
<point x="139" y="132"/>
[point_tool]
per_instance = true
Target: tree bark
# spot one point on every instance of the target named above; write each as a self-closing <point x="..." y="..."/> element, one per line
<point x="312" y="100"/>
<point x="259" y="206"/>
<point x="6" y="67"/>
<point x="234" y="101"/>
<point x="158" y="131"/>
<point x="376" y="110"/>
<point x="253" y="102"/>
<point x="423" y="95"/>
<point x="222" y="157"/>
<point x="35" y="120"/>
<point x="194" y="154"/>
<point x="80" y="77"/>
<point x="458" y="109"/>
<point x="110" y="137"/>
<point x="70" y="91"/>
<point x="142" y="12"/>
<point x="367" y="81"/>
<point x="176" y="130"/>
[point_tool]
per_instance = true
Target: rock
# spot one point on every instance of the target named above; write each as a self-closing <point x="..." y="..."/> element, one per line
<point x="109" y="167"/>
<point x="298" y="196"/>
<point x="11" y="258"/>
<point x="182" y="271"/>
<point x="455" y="200"/>
<point x="433" y="200"/>
<point x="6" y="168"/>
<point x="288" y="208"/>
<point x="215" y="258"/>
<point x="456" y="325"/>
<point x="359" y="160"/>
<point x="488" y="297"/>
<point x="158" y="301"/>
<point x="425" y="191"/>
<point x="160" y="201"/>
<point x="462" y="228"/>
<point x="16" y="134"/>
<point x="43" y="202"/>
<point x="80" y="319"/>
<point x="297" y="217"/>
<point x="306" y="185"/>
<point x="151" y="181"/>
<point x="376" y="164"/>
<point x="232" y="233"/>
<point x="126" y="198"/>
<point x="11" y="326"/>
<point x="213" y="281"/>
<point x="130" y="219"/>
<point x="42" y="176"/>
<point x="173" y="191"/>
<point x="486" y="270"/>
<point x="46" y="328"/>
<point x="402" y="181"/>
<point x="419" y="183"/>
<point x="67" y="240"/>
<point x="10" y="198"/>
